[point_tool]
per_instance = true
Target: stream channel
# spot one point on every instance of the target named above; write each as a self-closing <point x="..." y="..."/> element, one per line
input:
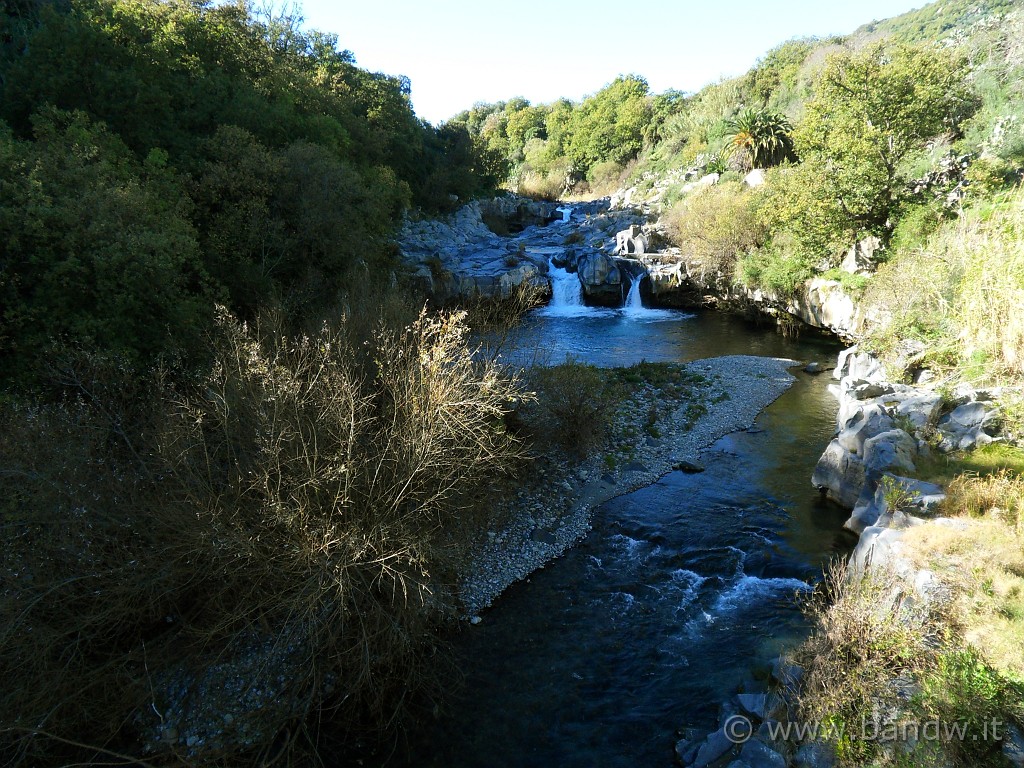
<point x="683" y="593"/>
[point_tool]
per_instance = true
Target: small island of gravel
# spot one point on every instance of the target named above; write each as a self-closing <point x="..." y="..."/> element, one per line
<point x="688" y="407"/>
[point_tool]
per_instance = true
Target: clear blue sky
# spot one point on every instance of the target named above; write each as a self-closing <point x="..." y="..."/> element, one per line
<point x="458" y="52"/>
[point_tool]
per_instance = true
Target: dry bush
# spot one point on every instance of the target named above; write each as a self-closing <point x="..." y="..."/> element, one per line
<point x="962" y="293"/>
<point x="981" y="562"/>
<point x="977" y="496"/>
<point x="302" y="514"/>
<point x="607" y="176"/>
<point x="95" y="576"/>
<point x="575" y="405"/>
<point x="991" y="295"/>
<point x="860" y="644"/>
<point x="717" y="225"/>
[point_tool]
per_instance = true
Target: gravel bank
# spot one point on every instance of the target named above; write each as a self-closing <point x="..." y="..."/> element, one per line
<point x="556" y="513"/>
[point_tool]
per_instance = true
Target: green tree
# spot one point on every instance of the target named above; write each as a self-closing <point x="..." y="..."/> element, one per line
<point x="776" y="76"/>
<point x="98" y="247"/>
<point x="609" y="125"/>
<point x="871" y="110"/>
<point x="763" y="137"/>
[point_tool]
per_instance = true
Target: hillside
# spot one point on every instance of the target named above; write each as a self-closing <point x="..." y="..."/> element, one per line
<point x="245" y="466"/>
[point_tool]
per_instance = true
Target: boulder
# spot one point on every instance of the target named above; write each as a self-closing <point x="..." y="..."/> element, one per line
<point x="862" y="258"/>
<point x="920" y="409"/>
<point x="1013" y="746"/>
<point x="786" y="674"/>
<point x="631" y="241"/>
<point x="870" y="506"/>
<point x="754" y="704"/>
<point x="858" y="365"/>
<point x="969" y="416"/>
<point x="860" y="389"/>
<point x="755" y="178"/>
<point x="878" y="548"/>
<point x="815" y="754"/>
<point x="714" y="748"/>
<point x="601" y="279"/>
<point x="840" y="474"/>
<point x="688" y="745"/>
<point x="894" y="449"/>
<point x="967" y="426"/>
<point x="864" y="424"/>
<point x="708" y="180"/>
<point x="758" y="755"/>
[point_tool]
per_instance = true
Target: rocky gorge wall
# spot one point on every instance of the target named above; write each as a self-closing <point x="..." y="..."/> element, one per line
<point x="609" y="248"/>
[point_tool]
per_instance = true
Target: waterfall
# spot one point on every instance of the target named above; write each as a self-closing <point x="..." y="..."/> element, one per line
<point x="566" y="211"/>
<point x="566" y="295"/>
<point x="634" y="309"/>
<point x="565" y="288"/>
<point x="634" y="303"/>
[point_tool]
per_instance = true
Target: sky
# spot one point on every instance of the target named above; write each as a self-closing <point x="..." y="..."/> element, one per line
<point x="458" y="52"/>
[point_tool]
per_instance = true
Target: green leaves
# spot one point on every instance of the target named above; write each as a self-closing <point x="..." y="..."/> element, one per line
<point x="763" y="136"/>
<point x="99" y="248"/>
<point x="870" y="110"/>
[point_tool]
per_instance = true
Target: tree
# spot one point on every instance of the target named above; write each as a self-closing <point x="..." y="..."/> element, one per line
<point x="609" y="125"/>
<point x="763" y="136"/>
<point x="98" y="249"/>
<point x="778" y="72"/>
<point x="870" y="111"/>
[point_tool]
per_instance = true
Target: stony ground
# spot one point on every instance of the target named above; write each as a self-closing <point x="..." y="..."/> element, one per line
<point x="554" y="511"/>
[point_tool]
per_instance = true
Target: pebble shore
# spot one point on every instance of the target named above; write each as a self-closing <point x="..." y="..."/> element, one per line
<point x="557" y="512"/>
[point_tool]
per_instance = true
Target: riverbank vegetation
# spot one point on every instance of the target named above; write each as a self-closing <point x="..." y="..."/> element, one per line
<point x="199" y="566"/>
<point x="240" y="479"/>
<point x="892" y="651"/>
<point x="240" y="473"/>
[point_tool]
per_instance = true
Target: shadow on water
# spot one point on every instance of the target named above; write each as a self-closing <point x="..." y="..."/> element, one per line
<point x="682" y="594"/>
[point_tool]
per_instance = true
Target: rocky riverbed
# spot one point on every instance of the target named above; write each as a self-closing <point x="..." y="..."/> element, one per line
<point x="554" y="512"/>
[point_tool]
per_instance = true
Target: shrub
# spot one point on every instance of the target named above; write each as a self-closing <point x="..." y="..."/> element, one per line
<point x="605" y="177"/>
<point x="859" y="646"/>
<point x="990" y="297"/>
<point x="773" y="269"/>
<point x="303" y="511"/>
<point x="716" y="225"/>
<point x="575" y="404"/>
<point x="549" y="186"/>
<point x="916" y="225"/>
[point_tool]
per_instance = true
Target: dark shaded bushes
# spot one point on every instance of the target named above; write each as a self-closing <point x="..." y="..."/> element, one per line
<point x="303" y="510"/>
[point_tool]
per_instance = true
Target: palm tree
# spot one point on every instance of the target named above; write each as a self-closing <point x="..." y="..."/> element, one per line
<point x="764" y="136"/>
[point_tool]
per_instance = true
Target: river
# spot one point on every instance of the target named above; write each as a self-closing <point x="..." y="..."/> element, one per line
<point x="682" y="595"/>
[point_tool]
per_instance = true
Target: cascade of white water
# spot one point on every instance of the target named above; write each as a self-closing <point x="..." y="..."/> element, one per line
<point x="566" y="290"/>
<point x="633" y="301"/>
<point x="566" y="211"/>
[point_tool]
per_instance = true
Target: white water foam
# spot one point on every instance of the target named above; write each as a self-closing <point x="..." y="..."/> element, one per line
<point x="566" y="296"/>
<point x="750" y="589"/>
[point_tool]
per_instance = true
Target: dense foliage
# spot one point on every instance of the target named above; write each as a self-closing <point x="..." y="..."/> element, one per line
<point x="157" y="156"/>
<point x="562" y="144"/>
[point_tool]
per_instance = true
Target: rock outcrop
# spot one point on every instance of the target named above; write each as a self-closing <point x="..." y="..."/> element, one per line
<point x="631" y="241"/>
<point x="882" y="429"/>
<point x="460" y="257"/>
<point x="601" y="279"/>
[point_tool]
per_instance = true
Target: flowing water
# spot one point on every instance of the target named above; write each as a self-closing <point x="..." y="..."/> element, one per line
<point x="683" y="593"/>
